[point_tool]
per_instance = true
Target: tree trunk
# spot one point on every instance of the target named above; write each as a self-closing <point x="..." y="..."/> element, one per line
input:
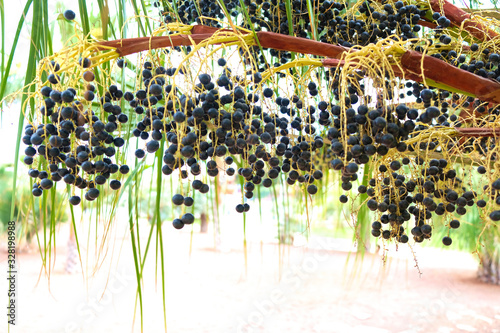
<point x="489" y="269"/>
<point x="203" y="223"/>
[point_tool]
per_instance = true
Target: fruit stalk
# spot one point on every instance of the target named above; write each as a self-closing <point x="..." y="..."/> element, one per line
<point x="462" y="19"/>
<point x="442" y="72"/>
<point x="415" y="66"/>
<point x="478" y="132"/>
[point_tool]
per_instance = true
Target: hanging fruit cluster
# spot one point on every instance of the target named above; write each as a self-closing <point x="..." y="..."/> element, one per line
<point x="392" y="87"/>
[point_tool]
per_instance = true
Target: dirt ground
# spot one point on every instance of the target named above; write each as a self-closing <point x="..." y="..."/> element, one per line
<point x="309" y="287"/>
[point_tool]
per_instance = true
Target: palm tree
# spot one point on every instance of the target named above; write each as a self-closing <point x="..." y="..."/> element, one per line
<point x="337" y="76"/>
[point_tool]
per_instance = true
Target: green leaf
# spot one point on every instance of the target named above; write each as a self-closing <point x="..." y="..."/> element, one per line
<point x="84" y="17"/>
<point x="29" y="77"/>
<point x="6" y="72"/>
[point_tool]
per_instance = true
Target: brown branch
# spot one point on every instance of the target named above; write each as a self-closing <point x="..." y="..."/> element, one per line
<point x="442" y="72"/>
<point x="129" y="46"/>
<point x="411" y="62"/>
<point x="427" y="24"/>
<point x="200" y="33"/>
<point x="397" y="71"/>
<point x="300" y="45"/>
<point x="458" y="16"/>
<point x="478" y="132"/>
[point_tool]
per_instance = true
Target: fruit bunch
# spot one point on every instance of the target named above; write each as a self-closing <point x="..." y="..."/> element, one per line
<point x="263" y="113"/>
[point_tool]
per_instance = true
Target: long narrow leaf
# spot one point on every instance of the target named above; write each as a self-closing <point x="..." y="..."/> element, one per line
<point x="84" y="17"/>
<point x="30" y="75"/>
<point x="6" y="72"/>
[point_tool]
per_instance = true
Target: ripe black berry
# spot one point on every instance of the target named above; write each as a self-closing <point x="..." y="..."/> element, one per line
<point x="240" y="208"/>
<point x="196" y="184"/>
<point x="74" y="200"/>
<point x="495" y="215"/>
<point x="139" y="153"/>
<point x="221" y="62"/>
<point x="178" y="224"/>
<point x="312" y="189"/>
<point x="188" y="201"/>
<point x="454" y="224"/>
<point x="187" y="218"/>
<point x="46" y="183"/>
<point x="115" y="184"/>
<point x="178" y="199"/>
<point x="69" y="15"/>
